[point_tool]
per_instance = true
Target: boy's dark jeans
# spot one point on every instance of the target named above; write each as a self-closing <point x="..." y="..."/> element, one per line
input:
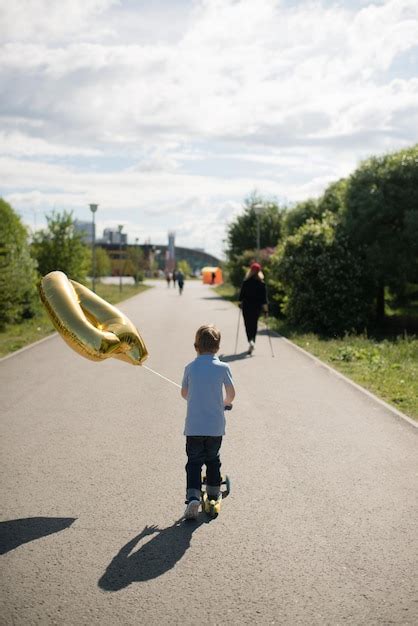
<point x="203" y="451"/>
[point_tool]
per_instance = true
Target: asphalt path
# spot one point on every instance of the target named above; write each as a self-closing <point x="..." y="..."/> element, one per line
<point x="319" y="527"/>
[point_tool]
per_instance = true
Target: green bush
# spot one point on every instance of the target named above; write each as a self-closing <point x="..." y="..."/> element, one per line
<point x="61" y="247"/>
<point x="242" y="232"/>
<point x="17" y="269"/>
<point x="103" y="266"/>
<point x="381" y="216"/>
<point x="325" y="287"/>
<point x="295" y="217"/>
<point x="238" y="266"/>
<point x="184" y="266"/>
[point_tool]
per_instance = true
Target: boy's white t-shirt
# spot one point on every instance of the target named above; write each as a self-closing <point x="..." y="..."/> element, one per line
<point x="204" y="378"/>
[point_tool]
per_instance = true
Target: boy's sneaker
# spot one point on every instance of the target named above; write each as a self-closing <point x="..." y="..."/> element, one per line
<point x="251" y="347"/>
<point x="192" y="509"/>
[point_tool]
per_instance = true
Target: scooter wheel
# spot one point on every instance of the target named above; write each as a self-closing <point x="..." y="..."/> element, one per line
<point x="213" y="510"/>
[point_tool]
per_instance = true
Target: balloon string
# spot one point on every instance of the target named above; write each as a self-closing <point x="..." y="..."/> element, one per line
<point x="161" y="376"/>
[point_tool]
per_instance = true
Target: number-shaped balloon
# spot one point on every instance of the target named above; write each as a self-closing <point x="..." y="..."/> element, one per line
<point x="90" y="325"/>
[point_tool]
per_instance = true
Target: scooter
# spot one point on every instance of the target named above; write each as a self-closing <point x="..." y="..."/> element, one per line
<point x="210" y="506"/>
<point x="213" y="507"/>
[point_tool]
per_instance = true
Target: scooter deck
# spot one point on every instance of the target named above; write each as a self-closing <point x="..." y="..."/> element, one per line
<point x="212" y="507"/>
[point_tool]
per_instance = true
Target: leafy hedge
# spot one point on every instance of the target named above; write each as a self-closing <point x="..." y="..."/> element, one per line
<point x="339" y="256"/>
<point x="324" y="285"/>
<point x="17" y="269"/>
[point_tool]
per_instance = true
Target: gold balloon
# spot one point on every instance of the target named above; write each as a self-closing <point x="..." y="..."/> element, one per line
<point x="90" y="325"/>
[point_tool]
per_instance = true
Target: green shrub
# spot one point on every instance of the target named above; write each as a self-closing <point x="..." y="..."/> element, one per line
<point x="381" y="216"/>
<point x="325" y="287"/>
<point x="17" y="269"/>
<point x="61" y="247"/>
<point x="238" y="266"/>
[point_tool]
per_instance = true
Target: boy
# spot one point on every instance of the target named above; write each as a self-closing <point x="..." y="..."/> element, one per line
<point x="202" y="387"/>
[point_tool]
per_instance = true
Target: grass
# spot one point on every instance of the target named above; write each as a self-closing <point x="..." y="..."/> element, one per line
<point x="17" y="336"/>
<point x="228" y="292"/>
<point x="386" y="365"/>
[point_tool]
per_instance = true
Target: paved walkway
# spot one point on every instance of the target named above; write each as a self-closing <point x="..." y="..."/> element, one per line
<point x="320" y="526"/>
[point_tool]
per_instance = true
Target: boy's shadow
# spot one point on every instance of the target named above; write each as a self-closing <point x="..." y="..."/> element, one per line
<point x="153" y="558"/>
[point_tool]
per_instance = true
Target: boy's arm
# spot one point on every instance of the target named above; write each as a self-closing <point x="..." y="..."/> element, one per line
<point x="229" y="394"/>
<point x="185" y="383"/>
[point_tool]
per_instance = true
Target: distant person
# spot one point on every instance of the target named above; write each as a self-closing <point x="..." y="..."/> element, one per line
<point x="168" y="278"/>
<point x="203" y="383"/>
<point x="213" y="278"/>
<point x="180" y="281"/>
<point x="174" y="278"/>
<point x="253" y="300"/>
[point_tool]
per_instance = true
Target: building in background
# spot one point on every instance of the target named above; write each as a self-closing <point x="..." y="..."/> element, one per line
<point x="114" y="236"/>
<point x="170" y="253"/>
<point x="155" y="257"/>
<point x="86" y="229"/>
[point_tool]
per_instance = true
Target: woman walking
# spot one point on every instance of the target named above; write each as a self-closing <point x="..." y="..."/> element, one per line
<point x="253" y="300"/>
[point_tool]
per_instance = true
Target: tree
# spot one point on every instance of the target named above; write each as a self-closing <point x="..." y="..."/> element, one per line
<point x="333" y="200"/>
<point x="238" y="266"/>
<point x="103" y="264"/>
<point x="381" y="219"/>
<point x="325" y="286"/>
<point x="135" y="264"/>
<point x="17" y="269"/>
<point x="60" y="247"/>
<point x="242" y="232"/>
<point x="184" y="266"/>
<point x="295" y="217"/>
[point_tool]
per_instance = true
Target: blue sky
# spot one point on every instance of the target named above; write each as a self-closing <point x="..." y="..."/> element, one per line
<point x="169" y="113"/>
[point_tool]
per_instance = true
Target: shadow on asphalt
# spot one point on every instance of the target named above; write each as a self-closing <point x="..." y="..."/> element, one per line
<point x="266" y="332"/>
<point x="211" y="298"/>
<point x="153" y="558"/>
<point x="227" y="358"/>
<point x="15" y="532"/>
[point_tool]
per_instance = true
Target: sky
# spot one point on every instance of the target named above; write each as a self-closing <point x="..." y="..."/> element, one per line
<point x="169" y="113"/>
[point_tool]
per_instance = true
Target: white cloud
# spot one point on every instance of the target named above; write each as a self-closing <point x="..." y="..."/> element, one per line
<point x="20" y="144"/>
<point x="43" y="20"/>
<point x="185" y="104"/>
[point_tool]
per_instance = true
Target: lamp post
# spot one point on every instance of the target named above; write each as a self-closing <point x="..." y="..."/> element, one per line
<point x="93" y="209"/>
<point x="258" y="209"/>
<point x="120" y="256"/>
<point x="157" y="258"/>
<point x="136" y="260"/>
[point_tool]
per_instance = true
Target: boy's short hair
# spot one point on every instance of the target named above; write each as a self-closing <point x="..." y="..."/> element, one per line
<point x="208" y="339"/>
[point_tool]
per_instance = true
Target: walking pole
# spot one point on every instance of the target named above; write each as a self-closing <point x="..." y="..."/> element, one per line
<point x="236" y="340"/>
<point x="268" y="333"/>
